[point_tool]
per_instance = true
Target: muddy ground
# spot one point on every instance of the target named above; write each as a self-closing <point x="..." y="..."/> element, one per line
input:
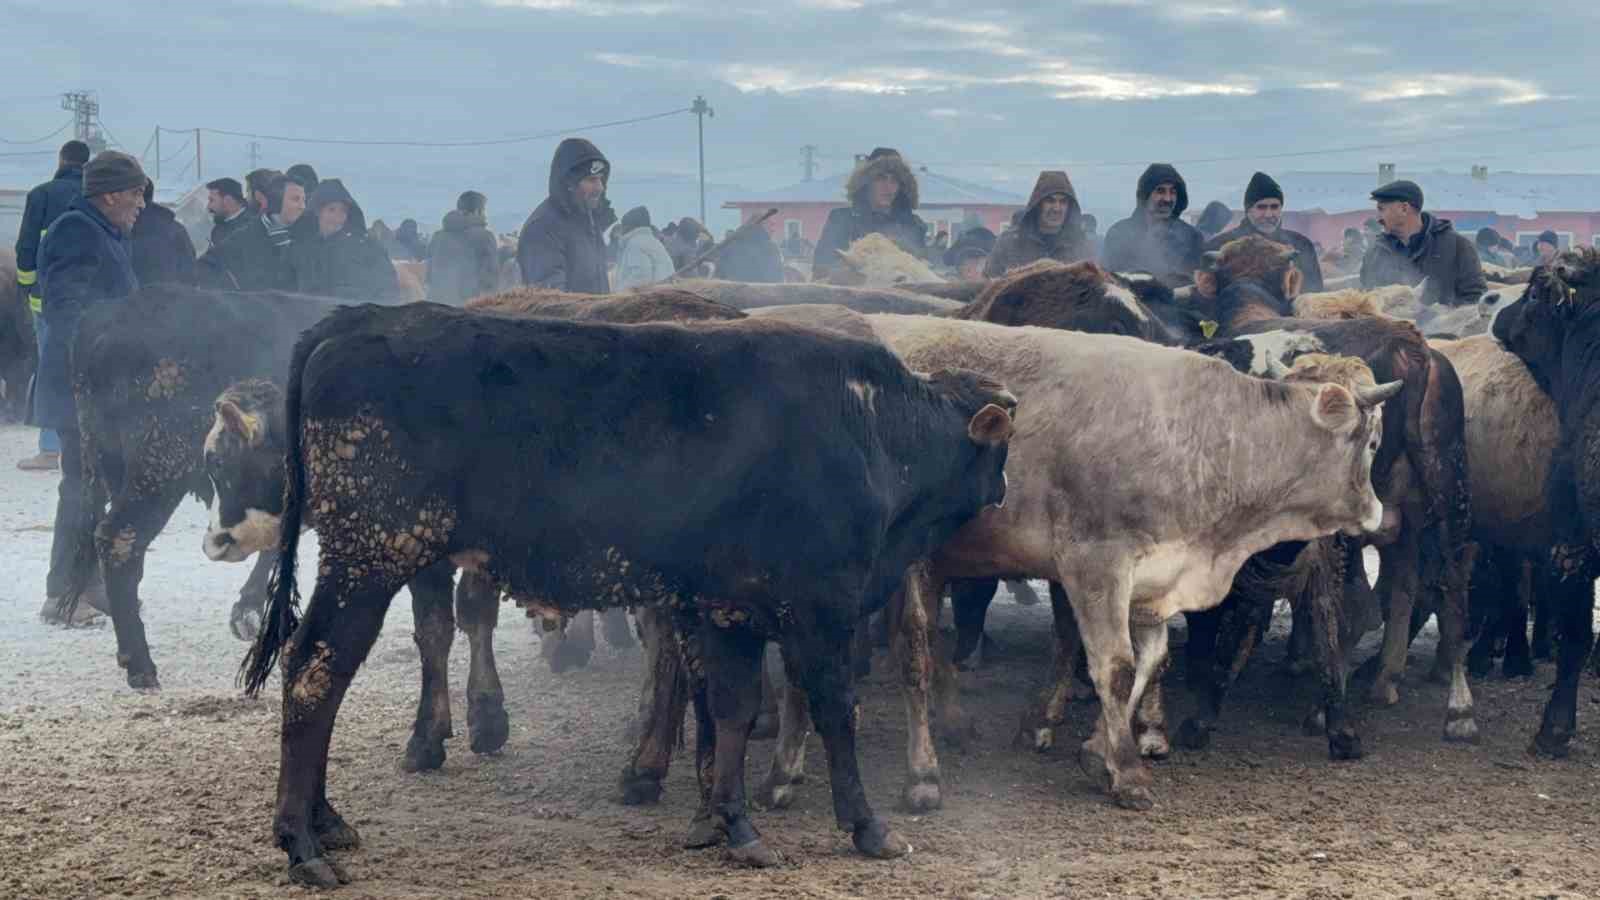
<point x="108" y="792"/>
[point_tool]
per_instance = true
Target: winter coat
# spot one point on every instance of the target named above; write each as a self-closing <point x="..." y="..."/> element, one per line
<point x="463" y="261"/>
<point x="162" y="250"/>
<point x="1025" y="243"/>
<point x="1170" y="250"/>
<point x="641" y="259"/>
<point x="255" y="258"/>
<point x="1308" y="264"/>
<point x="563" y="246"/>
<point x="221" y="231"/>
<point x="849" y="224"/>
<point x="44" y="205"/>
<point x="1447" y="259"/>
<point x="752" y="257"/>
<point x="84" y="261"/>
<point x="348" y="264"/>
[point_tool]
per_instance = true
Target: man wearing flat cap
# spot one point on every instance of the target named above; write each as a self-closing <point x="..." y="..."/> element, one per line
<point x="1263" y="217"/>
<point x="84" y="261"/>
<point x="1416" y="245"/>
<point x="226" y="204"/>
<point x="562" y="245"/>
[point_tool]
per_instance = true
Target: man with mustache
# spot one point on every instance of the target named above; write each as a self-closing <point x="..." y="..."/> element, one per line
<point x="1050" y="228"/>
<point x="1154" y="239"/>
<point x="1263" y="217"/>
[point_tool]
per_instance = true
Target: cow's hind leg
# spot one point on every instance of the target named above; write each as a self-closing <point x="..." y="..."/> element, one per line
<point x="1102" y="609"/>
<point x="913" y="655"/>
<point x="661" y="705"/>
<point x="1399" y="562"/>
<point x="477" y="614"/>
<point x="733" y="694"/>
<point x="341" y="623"/>
<point x="121" y="540"/>
<point x="1049" y="711"/>
<point x="435" y="631"/>
<point x="789" y="753"/>
<point x="244" y="620"/>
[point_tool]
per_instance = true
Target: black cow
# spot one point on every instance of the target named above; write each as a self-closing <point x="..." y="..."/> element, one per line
<point x="754" y="479"/>
<point x="1555" y="329"/>
<point x="19" y="352"/>
<point x="146" y="373"/>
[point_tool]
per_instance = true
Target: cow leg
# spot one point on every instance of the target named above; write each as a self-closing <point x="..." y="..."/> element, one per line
<point x="614" y="625"/>
<point x="477" y="614"/>
<point x="913" y="651"/>
<point x="1544" y="607"/>
<point x="1575" y="630"/>
<point x="1399" y="562"/>
<point x="244" y="620"/>
<point x="1040" y="721"/>
<point x="1240" y="624"/>
<point x="703" y="831"/>
<point x="434" y="633"/>
<point x="661" y="705"/>
<point x="340" y="626"/>
<point x="1103" y="614"/>
<point x="789" y="754"/>
<point x="733" y="694"/>
<point x="1450" y="661"/>
<point x="1493" y="608"/>
<point x="121" y="540"/>
<point x="570" y="647"/>
<point x="1324" y="597"/>
<point x="1301" y="656"/>
<point x="969" y="607"/>
<point x="1149" y="715"/>
<point x="1518" y="662"/>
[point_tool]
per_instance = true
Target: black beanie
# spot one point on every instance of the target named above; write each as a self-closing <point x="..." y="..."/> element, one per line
<point x="638" y="217"/>
<point x="1549" y="237"/>
<point x="1260" y="188"/>
<point x="110" y="172"/>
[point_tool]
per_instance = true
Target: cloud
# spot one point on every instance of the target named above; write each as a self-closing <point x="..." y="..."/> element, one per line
<point x="1500" y="90"/>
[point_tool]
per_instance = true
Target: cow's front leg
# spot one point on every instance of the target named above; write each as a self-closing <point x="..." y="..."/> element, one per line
<point x="661" y="703"/>
<point x="434" y="633"/>
<point x="1240" y="624"/>
<point x="1398" y="567"/>
<point x="789" y="753"/>
<point x="477" y="614"/>
<point x="121" y="540"/>
<point x="733" y="694"/>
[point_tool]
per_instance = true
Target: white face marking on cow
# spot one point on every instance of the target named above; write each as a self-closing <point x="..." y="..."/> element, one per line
<point x="1281" y="346"/>
<point x="258" y="531"/>
<point x="1126" y="298"/>
<point x="215" y="434"/>
<point x="1137" y="277"/>
<point x="866" y="393"/>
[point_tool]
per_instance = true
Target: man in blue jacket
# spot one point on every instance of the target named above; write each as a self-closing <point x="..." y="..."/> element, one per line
<point x="45" y="204"/>
<point x="84" y="261"/>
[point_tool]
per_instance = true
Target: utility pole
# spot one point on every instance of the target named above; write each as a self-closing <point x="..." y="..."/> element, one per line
<point x="158" y="154"/>
<point x="199" y="160"/>
<point x="85" y="111"/>
<point x="255" y="154"/>
<point x="701" y="109"/>
<point x="808" y="156"/>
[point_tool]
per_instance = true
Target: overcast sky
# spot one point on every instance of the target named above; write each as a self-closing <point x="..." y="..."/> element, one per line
<point x="987" y="91"/>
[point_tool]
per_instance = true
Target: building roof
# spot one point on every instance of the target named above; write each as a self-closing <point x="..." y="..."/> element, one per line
<point x="934" y="190"/>
<point x="1503" y="193"/>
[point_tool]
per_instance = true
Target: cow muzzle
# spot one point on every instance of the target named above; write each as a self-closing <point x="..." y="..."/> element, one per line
<point x="1371" y="520"/>
<point x="258" y="531"/>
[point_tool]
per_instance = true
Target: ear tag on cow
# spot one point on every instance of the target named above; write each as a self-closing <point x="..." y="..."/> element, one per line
<point x="1207" y="328"/>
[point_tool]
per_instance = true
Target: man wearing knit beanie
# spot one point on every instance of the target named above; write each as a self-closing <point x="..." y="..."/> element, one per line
<point x="1263" y="217"/>
<point x="84" y="261"/>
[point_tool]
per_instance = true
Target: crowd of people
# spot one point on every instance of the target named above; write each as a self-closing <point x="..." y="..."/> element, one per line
<point x="92" y="234"/>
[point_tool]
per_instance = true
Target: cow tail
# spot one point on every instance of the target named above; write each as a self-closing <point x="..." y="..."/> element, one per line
<point x="281" y="616"/>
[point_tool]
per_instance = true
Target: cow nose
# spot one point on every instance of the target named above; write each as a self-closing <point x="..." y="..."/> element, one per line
<point x="223" y="539"/>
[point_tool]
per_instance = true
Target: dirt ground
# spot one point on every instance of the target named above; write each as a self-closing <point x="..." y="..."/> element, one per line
<point x="108" y="792"/>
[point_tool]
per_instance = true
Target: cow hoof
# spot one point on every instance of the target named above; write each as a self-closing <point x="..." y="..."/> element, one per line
<point x="1153" y="745"/>
<point x="1551" y="743"/>
<point x="143" y="681"/>
<point x="703" y="832"/>
<point x="923" y="796"/>
<point x="756" y="855"/>
<point x="1094" y="766"/>
<point x="1344" y="746"/>
<point x="1516" y="668"/>
<point x="1195" y="734"/>
<point x="778" y="791"/>
<point x="244" y="620"/>
<point x="1136" y="797"/>
<point x="488" y="726"/>
<point x="317" y="873"/>
<point x="874" y="838"/>
<point x="1384" y="693"/>
<point x="337" y="834"/>
<point x="1462" y="730"/>
<point x="422" y="755"/>
<point x="1042" y="738"/>
<point x="766" y="727"/>
<point x="640" y="787"/>
<point x="1315" y="724"/>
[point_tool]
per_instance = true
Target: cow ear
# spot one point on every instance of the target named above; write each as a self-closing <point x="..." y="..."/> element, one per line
<point x="1335" y="409"/>
<point x="1293" y="281"/>
<point x="990" y="427"/>
<point x="1205" y="283"/>
<point x="247" y="427"/>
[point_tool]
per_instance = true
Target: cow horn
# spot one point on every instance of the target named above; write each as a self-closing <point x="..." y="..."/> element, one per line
<point x="1368" y="397"/>
<point x="1419" y="290"/>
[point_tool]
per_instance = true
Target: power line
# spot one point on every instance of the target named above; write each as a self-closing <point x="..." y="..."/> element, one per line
<point x="29" y="153"/>
<point x="64" y="126"/>
<point x="107" y="132"/>
<point x="519" y="139"/>
<point x="186" y="145"/>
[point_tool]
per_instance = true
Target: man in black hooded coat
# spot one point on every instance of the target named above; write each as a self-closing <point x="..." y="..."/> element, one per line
<point x="338" y="259"/>
<point x="162" y="250"/>
<point x="562" y="245"/>
<point x="1155" y="239"/>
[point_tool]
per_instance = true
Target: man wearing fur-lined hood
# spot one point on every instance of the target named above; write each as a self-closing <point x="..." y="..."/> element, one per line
<point x="882" y="192"/>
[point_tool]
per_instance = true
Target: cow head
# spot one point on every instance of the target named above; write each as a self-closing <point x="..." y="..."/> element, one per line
<point x="989" y="410"/>
<point x="1252" y="259"/>
<point x="1346" y="408"/>
<point x="1076" y="297"/>
<point x="244" y="460"/>
<point x="1536" y="326"/>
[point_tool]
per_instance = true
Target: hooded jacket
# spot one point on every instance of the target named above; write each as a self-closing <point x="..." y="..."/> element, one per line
<point x="84" y="261"/>
<point x="1169" y="250"/>
<point x="1447" y="259"/>
<point x="1306" y="260"/>
<point x="562" y="245"/>
<point x="463" y="260"/>
<point x="347" y="264"/>
<point x="751" y="257"/>
<point x="44" y="205"/>
<point x="254" y="258"/>
<point x="642" y="258"/>
<point x="162" y="250"/>
<point x="1025" y="243"/>
<point x="849" y="224"/>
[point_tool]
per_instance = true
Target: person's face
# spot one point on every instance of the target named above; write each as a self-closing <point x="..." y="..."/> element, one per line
<point x="1547" y="251"/>
<point x="972" y="268"/>
<point x="590" y="189"/>
<point x="1352" y="243"/>
<point x="221" y="205"/>
<point x="1394" y="216"/>
<point x="1162" y="201"/>
<point x="294" y="204"/>
<point x="122" y="207"/>
<point x="885" y="187"/>
<point x="1266" y="214"/>
<point x="1053" y="213"/>
<point x="332" y="217"/>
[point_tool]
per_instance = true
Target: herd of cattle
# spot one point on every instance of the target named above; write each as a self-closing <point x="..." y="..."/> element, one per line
<point x="746" y="464"/>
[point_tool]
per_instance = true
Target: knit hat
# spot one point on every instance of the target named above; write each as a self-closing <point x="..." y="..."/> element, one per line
<point x="1260" y="188"/>
<point x="227" y="187"/>
<point x="110" y="172"/>
<point x="1406" y="191"/>
<point x="1549" y="237"/>
<point x="638" y="217"/>
<point x="978" y="241"/>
